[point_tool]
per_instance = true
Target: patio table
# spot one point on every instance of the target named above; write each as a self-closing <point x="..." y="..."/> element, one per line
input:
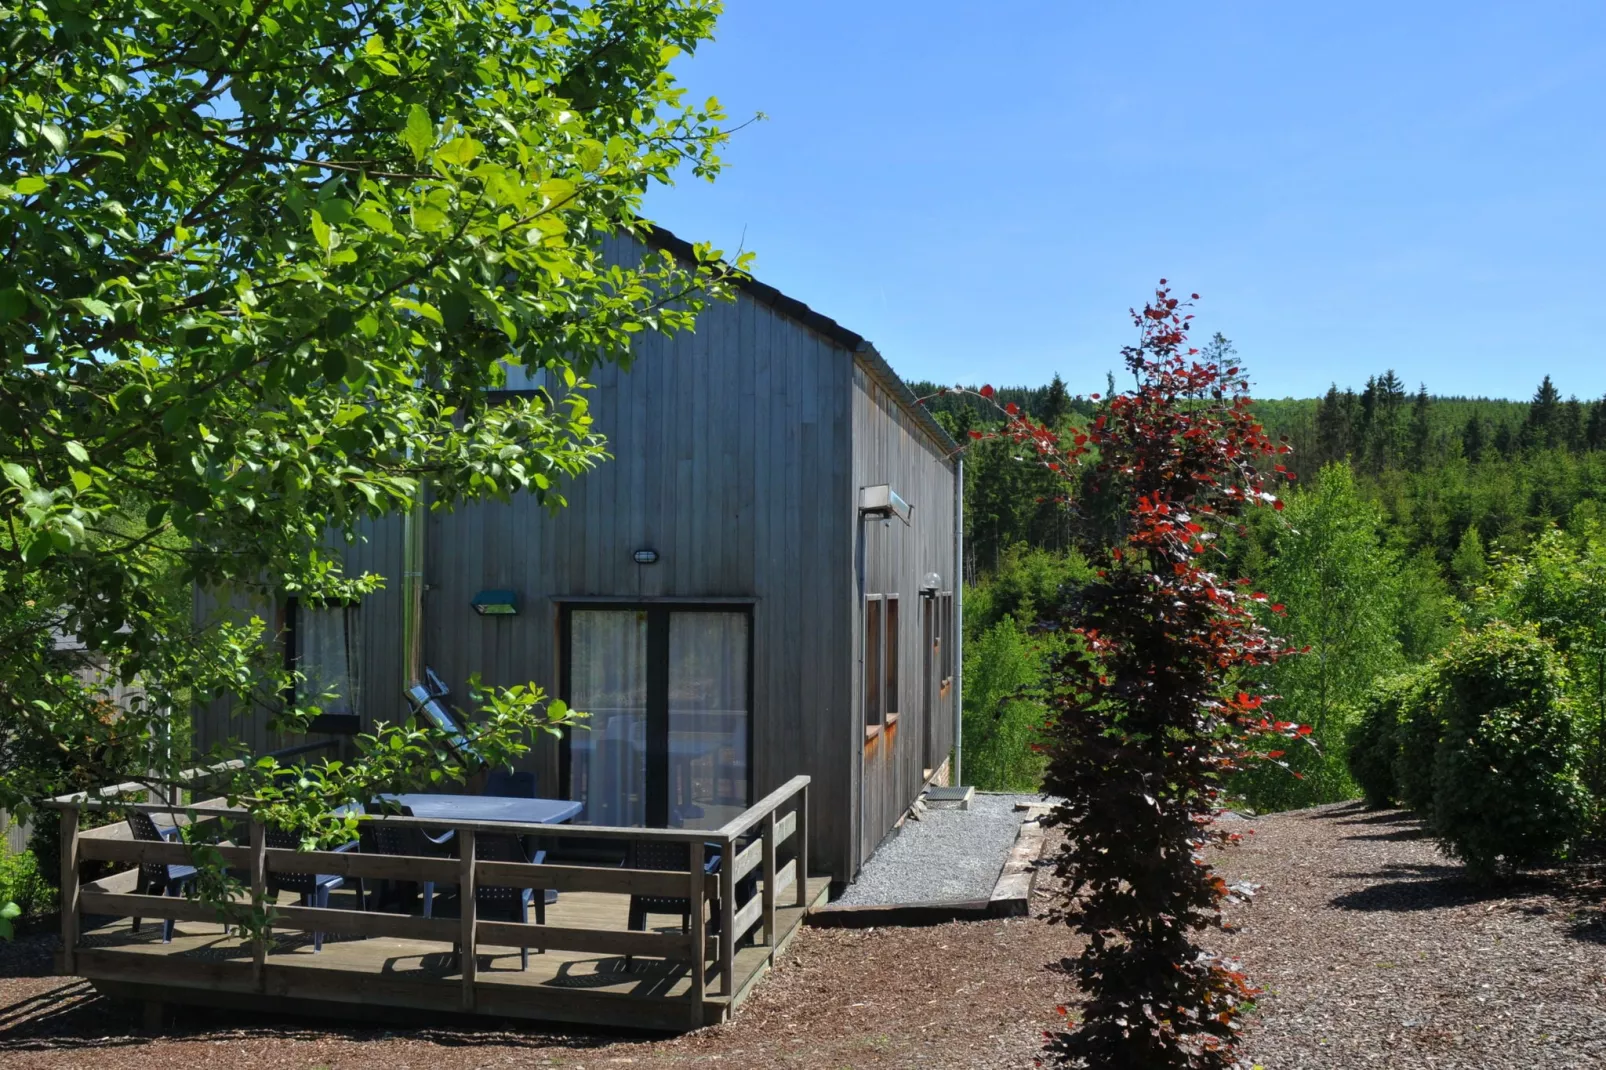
<point x="449" y="808"/>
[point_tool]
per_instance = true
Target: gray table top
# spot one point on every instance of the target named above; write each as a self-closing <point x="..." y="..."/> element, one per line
<point x="489" y="808"/>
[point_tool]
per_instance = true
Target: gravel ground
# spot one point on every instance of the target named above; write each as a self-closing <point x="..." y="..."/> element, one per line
<point x="946" y="855"/>
<point x="1375" y="951"/>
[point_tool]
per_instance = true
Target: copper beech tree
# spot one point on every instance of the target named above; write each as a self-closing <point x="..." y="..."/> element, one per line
<point x="1154" y="702"/>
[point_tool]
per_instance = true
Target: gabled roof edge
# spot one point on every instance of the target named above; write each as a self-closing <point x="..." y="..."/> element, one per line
<point x="863" y="351"/>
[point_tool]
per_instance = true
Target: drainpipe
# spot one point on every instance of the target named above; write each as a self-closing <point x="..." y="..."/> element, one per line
<point x="958" y="638"/>
<point x="412" y="637"/>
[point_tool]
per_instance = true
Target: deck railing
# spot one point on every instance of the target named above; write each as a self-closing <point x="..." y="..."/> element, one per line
<point x="778" y="819"/>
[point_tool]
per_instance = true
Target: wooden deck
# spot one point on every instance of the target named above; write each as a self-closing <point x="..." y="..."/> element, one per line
<point x="395" y="965"/>
<point x="356" y="977"/>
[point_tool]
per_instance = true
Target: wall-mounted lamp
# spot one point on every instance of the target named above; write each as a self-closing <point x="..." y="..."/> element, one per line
<point x="931" y="584"/>
<point x="645" y="557"/>
<point x="496" y="604"/>
<point x="884" y="502"/>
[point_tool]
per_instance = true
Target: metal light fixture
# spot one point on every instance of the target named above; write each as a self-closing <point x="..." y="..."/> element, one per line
<point x="496" y="604"/>
<point x="645" y="557"/>
<point x="931" y="584"/>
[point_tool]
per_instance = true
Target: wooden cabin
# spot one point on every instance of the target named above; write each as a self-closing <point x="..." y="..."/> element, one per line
<point x="762" y="583"/>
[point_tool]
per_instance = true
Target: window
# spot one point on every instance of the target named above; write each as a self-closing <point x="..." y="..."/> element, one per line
<point x="881" y="684"/>
<point x="873" y="637"/>
<point x="891" y="659"/>
<point x="323" y="645"/>
<point x="945" y="636"/>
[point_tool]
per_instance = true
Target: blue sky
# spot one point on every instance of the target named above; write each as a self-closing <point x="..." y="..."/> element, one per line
<point x="983" y="190"/>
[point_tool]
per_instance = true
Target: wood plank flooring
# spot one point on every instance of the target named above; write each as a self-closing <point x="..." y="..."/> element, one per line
<point x="205" y="965"/>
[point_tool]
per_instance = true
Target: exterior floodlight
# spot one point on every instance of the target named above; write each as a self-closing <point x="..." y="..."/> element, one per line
<point x="645" y="557"/>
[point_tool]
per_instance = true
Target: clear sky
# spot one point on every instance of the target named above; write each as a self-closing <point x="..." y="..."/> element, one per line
<point x="984" y="189"/>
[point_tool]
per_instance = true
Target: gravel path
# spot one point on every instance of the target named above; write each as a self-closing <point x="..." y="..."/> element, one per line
<point x="944" y="856"/>
<point x="1375" y="951"/>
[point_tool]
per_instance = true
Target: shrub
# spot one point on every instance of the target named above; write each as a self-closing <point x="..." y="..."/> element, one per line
<point x="22" y="883"/>
<point x="1417" y="735"/>
<point x="1374" y="740"/>
<point x="1003" y="709"/>
<point x="1506" y="790"/>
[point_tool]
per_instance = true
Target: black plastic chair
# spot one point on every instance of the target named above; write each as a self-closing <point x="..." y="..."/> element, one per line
<point x="314" y="888"/>
<point x="411" y="842"/>
<point x="657" y="854"/>
<point x="157" y="878"/>
<point x="512" y="785"/>
<point x="498" y="901"/>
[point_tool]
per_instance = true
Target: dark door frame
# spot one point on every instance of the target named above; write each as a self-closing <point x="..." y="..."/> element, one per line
<point x="656" y="786"/>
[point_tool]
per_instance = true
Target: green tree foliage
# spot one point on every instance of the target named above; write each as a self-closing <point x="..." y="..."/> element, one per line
<point x="1559" y="586"/>
<point x="1335" y="592"/>
<point x="1506" y="794"/>
<point x="1006" y="657"/>
<point x="1374" y="741"/>
<point x="1004" y="708"/>
<point x="263" y="263"/>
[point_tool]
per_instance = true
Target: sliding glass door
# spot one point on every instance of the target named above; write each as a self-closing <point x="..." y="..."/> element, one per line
<point x="668" y="690"/>
<point x="608" y="680"/>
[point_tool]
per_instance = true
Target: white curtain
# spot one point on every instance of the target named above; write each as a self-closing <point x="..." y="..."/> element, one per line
<point x="708" y="718"/>
<point x="608" y="680"/>
<point x="326" y="655"/>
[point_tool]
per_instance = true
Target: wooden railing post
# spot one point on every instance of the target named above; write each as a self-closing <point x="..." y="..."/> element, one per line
<point x="727" y="918"/>
<point x="259" y="901"/>
<point x="69" y="890"/>
<point x="801" y="854"/>
<point x="468" y="909"/>
<point x="769" y="878"/>
<point x="698" y="901"/>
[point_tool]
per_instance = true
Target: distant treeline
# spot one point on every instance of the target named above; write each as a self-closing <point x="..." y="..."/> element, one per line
<point x="1438" y="465"/>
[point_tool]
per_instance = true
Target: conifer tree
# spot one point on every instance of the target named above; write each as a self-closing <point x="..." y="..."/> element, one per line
<point x="1474" y="437"/>
<point x="1421" y="438"/>
<point x="1540" y="429"/>
<point x="1595" y="428"/>
<point x="1057" y="402"/>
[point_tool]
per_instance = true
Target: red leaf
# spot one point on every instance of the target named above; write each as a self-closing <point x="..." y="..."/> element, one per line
<point x="975" y="434"/>
<point x="986" y="391"/>
<point x="1012" y="408"/>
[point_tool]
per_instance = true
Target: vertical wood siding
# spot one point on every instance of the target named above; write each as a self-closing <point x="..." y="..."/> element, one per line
<point x="889" y="447"/>
<point x="735" y="459"/>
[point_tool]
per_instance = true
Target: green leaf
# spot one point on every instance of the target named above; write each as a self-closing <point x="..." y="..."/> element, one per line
<point x="76" y="451"/>
<point x="460" y="151"/>
<point x="95" y="307"/>
<point x="374" y="219"/>
<point x="28" y="185"/>
<point x="557" y="190"/>
<point x="154" y="515"/>
<point x="82" y="480"/>
<point x="428" y="219"/>
<point x="13" y="303"/>
<point x="419" y="133"/>
<point x="55" y="135"/>
<point x="320" y="231"/>
<point x="16" y="475"/>
<point x="334" y="363"/>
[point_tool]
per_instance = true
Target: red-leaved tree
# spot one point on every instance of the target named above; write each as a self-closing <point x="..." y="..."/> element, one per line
<point x="1156" y="703"/>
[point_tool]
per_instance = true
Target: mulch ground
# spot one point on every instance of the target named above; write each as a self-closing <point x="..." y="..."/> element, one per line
<point x="1374" y="951"/>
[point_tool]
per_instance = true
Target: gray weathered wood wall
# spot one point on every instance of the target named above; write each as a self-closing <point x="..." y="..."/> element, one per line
<point x="890" y="446"/>
<point x="739" y="450"/>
